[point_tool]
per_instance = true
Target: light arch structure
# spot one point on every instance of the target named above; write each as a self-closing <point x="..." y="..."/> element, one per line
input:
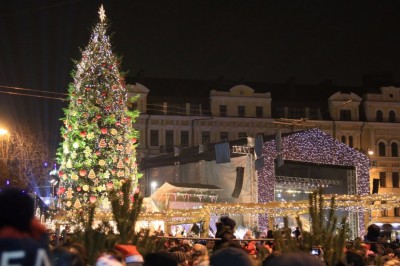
<point x="313" y="146"/>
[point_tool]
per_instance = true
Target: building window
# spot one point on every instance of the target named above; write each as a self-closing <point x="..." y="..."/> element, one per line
<point x="382" y="149"/>
<point x="384" y="213"/>
<point x="345" y="115"/>
<point x="153" y="137"/>
<point x="382" y="179"/>
<point x="351" y="141"/>
<point x="222" y="110"/>
<point x="259" y="111"/>
<point x="241" y="111"/>
<point x="184" y="138"/>
<point x="395" y="179"/>
<point x="242" y="135"/>
<point x="392" y="117"/>
<point x="343" y="139"/>
<point x="397" y="211"/>
<point x="223" y="136"/>
<point x="205" y="137"/>
<point x="395" y="150"/>
<point x="169" y="140"/>
<point x="379" y="116"/>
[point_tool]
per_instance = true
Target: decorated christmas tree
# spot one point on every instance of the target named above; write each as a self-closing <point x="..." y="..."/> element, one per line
<point x="98" y="152"/>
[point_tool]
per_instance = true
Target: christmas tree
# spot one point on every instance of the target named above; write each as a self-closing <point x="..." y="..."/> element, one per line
<point x="98" y="152"/>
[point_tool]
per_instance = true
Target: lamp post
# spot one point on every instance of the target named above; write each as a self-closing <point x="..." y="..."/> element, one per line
<point x="4" y="139"/>
<point x="4" y="135"/>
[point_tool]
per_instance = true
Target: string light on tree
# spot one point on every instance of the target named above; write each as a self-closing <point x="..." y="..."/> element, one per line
<point x="97" y="154"/>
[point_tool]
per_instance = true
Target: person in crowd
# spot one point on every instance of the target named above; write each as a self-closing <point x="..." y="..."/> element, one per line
<point x="293" y="259"/>
<point x="195" y="229"/>
<point x="23" y="239"/>
<point x="112" y="254"/>
<point x="373" y="238"/>
<point x="107" y="259"/>
<point x="230" y="256"/>
<point x="79" y="249"/>
<point x="200" y="255"/>
<point x="249" y="245"/>
<point x="181" y="257"/>
<point x="174" y="245"/>
<point x="225" y="230"/>
<point x="297" y="233"/>
<point x="160" y="259"/>
<point x="131" y="255"/>
<point x="64" y="256"/>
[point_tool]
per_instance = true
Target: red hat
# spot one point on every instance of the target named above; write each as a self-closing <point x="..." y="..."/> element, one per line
<point x="130" y="253"/>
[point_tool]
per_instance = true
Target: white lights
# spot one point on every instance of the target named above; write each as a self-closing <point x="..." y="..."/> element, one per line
<point x="311" y="146"/>
<point x="3" y="131"/>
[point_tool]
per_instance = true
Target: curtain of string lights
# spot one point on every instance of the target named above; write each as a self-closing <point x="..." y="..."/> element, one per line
<point x="317" y="147"/>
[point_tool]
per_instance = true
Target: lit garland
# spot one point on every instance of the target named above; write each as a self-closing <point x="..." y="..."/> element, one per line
<point x="317" y="147"/>
<point x="354" y="203"/>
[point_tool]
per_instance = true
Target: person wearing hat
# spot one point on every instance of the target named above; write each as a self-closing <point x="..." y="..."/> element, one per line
<point x="225" y="229"/>
<point x="131" y="254"/>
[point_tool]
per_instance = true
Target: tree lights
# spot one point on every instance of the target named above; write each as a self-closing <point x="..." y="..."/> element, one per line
<point x="97" y="153"/>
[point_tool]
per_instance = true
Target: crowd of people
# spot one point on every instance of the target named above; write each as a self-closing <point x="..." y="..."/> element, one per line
<point x="24" y="241"/>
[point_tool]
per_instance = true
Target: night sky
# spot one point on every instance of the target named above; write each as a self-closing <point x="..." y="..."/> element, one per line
<point x="257" y="41"/>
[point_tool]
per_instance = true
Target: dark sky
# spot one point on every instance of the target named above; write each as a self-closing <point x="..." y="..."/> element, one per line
<point x="259" y="41"/>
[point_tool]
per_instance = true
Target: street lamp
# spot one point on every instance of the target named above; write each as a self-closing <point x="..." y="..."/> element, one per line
<point x="3" y="134"/>
<point x="3" y="131"/>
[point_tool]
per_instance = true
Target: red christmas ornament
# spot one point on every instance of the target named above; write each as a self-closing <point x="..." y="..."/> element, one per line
<point x="98" y="116"/>
<point x="103" y="130"/>
<point x="60" y="173"/>
<point x="110" y="185"/>
<point x="83" y="134"/>
<point x="134" y="140"/>
<point x="104" y="94"/>
<point x="107" y="108"/>
<point x="61" y="190"/>
<point x="87" y="88"/>
<point x="92" y="199"/>
<point x="79" y="101"/>
<point x="114" y="87"/>
<point x="117" y="123"/>
<point x="78" y="189"/>
<point x="97" y="153"/>
<point x="82" y="172"/>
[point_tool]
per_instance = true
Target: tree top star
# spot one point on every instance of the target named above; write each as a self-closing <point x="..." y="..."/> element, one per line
<point x="102" y="13"/>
